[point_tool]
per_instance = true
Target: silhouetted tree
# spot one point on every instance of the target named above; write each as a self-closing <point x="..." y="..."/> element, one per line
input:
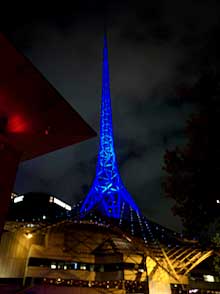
<point x="193" y="171"/>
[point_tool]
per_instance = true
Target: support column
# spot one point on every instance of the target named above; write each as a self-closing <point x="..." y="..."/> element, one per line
<point x="9" y="160"/>
<point x="158" y="278"/>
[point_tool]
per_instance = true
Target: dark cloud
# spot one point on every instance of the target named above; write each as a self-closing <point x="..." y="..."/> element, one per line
<point x="154" y="48"/>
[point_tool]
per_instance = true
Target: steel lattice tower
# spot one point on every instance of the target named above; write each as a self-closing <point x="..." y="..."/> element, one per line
<point x="109" y="203"/>
<point x="107" y="194"/>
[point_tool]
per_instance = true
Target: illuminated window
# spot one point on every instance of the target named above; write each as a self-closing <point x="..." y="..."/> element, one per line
<point x="65" y="267"/>
<point x="218" y="201"/>
<point x="61" y="203"/>
<point x="209" y="278"/>
<point x="83" y="267"/>
<point x="74" y="265"/>
<point x="53" y="266"/>
<point x="18" y="199"/>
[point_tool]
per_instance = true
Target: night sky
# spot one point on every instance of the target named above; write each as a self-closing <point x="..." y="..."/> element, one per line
<point x="155" y="49"/>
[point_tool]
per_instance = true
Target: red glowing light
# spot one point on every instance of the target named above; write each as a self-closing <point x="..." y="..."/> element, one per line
<point x="17" y="124"/>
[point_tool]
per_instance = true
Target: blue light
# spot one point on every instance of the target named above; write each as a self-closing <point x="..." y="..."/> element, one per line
<point x="107" y="194"/>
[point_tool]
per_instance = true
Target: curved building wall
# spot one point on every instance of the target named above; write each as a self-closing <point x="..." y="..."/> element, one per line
<point x="80" y="254"/>
<point x="14" y="250"/>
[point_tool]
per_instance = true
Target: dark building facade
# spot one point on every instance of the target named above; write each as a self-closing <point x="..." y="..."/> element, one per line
<point x="37" y="207"/>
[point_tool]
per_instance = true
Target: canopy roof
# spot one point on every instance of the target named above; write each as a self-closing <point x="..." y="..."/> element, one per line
<point x="34" y="117"/>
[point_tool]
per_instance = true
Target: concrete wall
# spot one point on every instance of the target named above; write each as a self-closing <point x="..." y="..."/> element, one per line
<point x="14" y="249"/>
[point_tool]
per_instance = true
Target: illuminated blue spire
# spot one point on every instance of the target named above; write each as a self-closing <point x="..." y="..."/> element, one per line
<point x="107" y="194"/>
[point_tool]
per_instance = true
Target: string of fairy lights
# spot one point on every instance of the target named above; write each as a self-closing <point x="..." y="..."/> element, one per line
<point x="130" y="286"/>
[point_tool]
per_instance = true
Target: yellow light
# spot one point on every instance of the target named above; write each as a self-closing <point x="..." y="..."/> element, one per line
<point x="141" y="270"/>
<point x="28" y="235"/>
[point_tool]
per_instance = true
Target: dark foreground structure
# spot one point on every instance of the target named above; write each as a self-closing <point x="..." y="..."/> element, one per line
<point x="34" y="118"/>
<point x="104" y="244"/>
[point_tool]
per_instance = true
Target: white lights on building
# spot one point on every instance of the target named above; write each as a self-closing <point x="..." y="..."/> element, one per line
<point x="75" y="265"/>
<point x="18" y="198"/>
<point x="59" y="202"/>
<point x="53" y="266"/>
<point x="29" y="225"/>
<point x="13" y="195"/>
<point x="62" y="204"/>
<point x="193" y="290"/>
<point x="218" y="201"/>
<point x="209" y="278"/>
